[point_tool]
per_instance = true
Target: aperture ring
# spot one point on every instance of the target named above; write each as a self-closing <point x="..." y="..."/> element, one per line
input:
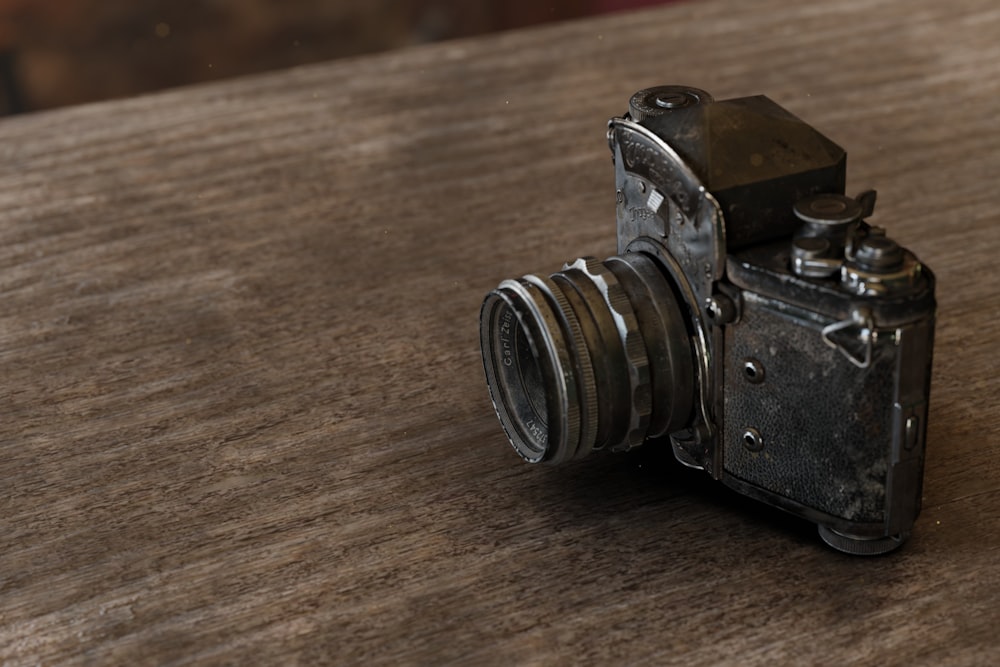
<point x="584" y="370"/>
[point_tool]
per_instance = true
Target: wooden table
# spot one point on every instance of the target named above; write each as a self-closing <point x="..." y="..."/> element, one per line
<point x="243" y="417"/>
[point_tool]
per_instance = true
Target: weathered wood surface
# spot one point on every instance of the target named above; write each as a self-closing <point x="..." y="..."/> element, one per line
<point x="243" y="417"/>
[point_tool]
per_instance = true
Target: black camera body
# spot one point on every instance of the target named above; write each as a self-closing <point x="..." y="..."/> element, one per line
<point x="751" y="318"/>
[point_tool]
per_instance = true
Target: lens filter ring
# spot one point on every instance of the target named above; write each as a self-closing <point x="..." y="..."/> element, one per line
<point x="530" y="373"/>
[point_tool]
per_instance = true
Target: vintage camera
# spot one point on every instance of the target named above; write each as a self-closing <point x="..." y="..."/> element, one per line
<point x="751" y="320"/>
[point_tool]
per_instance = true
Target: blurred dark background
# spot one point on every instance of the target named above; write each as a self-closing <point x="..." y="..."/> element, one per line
<point x="61" y="52"/>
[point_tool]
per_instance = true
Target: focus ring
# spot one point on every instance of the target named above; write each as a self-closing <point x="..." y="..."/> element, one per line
<point x="627" y="327"/>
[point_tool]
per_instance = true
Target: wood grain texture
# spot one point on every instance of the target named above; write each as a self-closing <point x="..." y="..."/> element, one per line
<point x="243" y="418"/>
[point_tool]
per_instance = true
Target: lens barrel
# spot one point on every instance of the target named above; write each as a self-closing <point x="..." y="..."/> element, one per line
<point x="594" y="356"/>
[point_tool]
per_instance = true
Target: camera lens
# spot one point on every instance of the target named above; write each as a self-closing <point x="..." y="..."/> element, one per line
<point x="594" y="356"/>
